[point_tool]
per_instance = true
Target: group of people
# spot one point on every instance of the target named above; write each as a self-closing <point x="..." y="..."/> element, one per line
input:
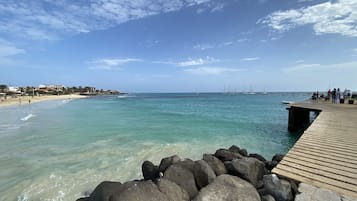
<point x="336" y="96"/>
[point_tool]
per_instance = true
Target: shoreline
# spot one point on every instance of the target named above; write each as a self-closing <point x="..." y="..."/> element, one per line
<point x="24" y="100"/>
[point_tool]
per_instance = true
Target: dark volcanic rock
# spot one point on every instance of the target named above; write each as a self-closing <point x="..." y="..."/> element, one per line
<point x="83" y="199"/>
<point x="259" y="157"/>
<point x="150" y="171"/>
<point x="226" y="155"/>
<point x="228" y="188"/>
<point x="270" y="165"/>
<point x="238" y="150"/>
<point x="280" y="189"/>
<point x="203" y="173"/>
<point x="182" y="177"/>
<point x="250" y="169"/>
<point x="166" y="162"/>
<point x="139" y="191"/>
<point x="216" y="165"/>
<point x="278" y="157"/>
<point x="105" y="191"/>
<point x="173" y="191"/>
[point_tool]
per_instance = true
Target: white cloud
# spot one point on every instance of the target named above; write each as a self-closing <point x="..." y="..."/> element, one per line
<point x="320" y="67"/>
<point x="212" y="70"/>
<point x="197" y="62"/>
<point x="7" y="51"/>
<point x="300" y="61"/>
<point x="250" y="59"/>
<point x="338" y="17"/>
<point x="203" y="46"/>
<point x="111" y="63"/>
<point x="48" y="20"/>
<point x="241" y="40"/>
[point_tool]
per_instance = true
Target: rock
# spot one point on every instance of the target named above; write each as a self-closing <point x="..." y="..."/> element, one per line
<point x="280" y="189"/>
<point x="139" y="191"/>
<point x="216" y="165"/>
<point x="187" y="163"/>
<point x="268" y="198"/>
<point x="294" y="187"/>
<point x="302" y="197"/>
<point x="259" y="157"/>
<point x="250" y="169"/>
<point x="150" y="171"/>
<point x="278" y="157"/>
<point x="226" y="155"/>
<point x="182" y="177"/>
<point x="306" y="188"/>
<point x="203" y="173"/>
<point x="173" y="191"/>
<point x="322" y="194"/>
<point x="105" y="191"/>
<point x="83" y="199"/>
<point x="166" y="162"/>
<point x="228" y="188"/>
<point x="238" y="150"/>
<point x="270" y="165"/>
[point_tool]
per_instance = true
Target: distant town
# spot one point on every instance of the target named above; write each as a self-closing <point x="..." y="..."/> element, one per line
<point x="52" y="89"/>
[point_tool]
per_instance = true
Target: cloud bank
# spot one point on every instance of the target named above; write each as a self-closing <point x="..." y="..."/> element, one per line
<point x="336" y="17"/>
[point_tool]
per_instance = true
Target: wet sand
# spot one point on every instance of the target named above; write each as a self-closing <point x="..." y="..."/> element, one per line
<point x="20" y="100"/>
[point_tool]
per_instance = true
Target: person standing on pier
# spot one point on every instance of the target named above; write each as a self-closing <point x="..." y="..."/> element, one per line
<point x="338" y="96"/>
<point x="333" y="94"/>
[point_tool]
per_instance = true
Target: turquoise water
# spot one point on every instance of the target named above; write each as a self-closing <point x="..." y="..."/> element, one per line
<point x="59" y="150"/>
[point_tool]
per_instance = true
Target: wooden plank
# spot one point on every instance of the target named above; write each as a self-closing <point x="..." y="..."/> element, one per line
<point x="317" y="177"/>
<point x="328" y="147"/>
<point x="342" y="164"/>
<point x="320" y="184"/>
<point x="321" y="172"/>
<point x="328" y="140"/>
<point x="339" y="155"/>
<point x="327" y="156"/>
<point x="322" y="164"/>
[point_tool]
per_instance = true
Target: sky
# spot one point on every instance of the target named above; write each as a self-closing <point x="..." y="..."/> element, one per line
<point x="180" y="45"/>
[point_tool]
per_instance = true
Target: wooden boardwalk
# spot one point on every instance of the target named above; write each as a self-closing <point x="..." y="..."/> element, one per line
<point x="326" y="154"/>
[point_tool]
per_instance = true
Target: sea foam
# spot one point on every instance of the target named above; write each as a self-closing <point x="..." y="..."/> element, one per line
<point x="29" y="116"/>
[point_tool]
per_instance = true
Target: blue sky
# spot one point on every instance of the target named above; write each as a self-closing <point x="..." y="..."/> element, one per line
<point x="180" y="45"/>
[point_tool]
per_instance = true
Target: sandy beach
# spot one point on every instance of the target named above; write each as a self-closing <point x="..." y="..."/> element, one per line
<point x="29" y="99"/>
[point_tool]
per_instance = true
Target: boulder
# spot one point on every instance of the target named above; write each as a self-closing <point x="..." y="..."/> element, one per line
<point x="280" y="189"/>
<point x="166" y="162"/>
<point x="226" y="187"/>
<point x="270" y="165"/>
<point x="259" y="157"/>
<point x="173" y="191"/>
<point x="187" y="163"/>
<point x="250" y="169"/>
<point x="278" y="157"/>
<point x="105" y="191"/>
<point x="139" y="191"/>
<point x="226" y="155"/>
<point x="182" y="177"/>
<point x="83" y="199"/>
<point x="150" y="171"/>
<point x="203" y="173"/>
<point x="268" y="198"/>
<point x="238" y="150"/>
<point x="216" y="165"/>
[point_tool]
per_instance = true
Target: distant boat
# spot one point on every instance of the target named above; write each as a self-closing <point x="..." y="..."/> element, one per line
<point x="287" y="102"/>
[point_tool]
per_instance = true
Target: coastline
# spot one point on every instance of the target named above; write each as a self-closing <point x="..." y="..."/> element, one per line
<point x="25" y="99"/>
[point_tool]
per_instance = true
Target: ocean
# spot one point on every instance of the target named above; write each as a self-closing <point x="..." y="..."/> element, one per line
<point x="60" y="150"/>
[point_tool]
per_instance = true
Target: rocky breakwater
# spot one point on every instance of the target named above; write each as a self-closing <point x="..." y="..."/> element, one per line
<point x="227" y="175"/>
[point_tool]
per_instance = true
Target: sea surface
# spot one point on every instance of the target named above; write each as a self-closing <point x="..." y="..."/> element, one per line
<point x="60" y="150"/>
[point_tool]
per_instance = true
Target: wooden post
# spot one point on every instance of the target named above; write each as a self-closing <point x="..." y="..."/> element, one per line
<point x="298" y="117"/>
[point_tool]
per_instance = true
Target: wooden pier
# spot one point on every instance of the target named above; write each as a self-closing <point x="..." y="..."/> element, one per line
<point x="326" y="154"/>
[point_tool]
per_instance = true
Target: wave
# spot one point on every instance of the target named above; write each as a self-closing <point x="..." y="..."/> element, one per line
<point x="27" y="117"/>
<point x="126" y="96"/>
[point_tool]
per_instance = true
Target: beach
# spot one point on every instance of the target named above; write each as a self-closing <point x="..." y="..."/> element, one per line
<point x="20" y="100"/>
